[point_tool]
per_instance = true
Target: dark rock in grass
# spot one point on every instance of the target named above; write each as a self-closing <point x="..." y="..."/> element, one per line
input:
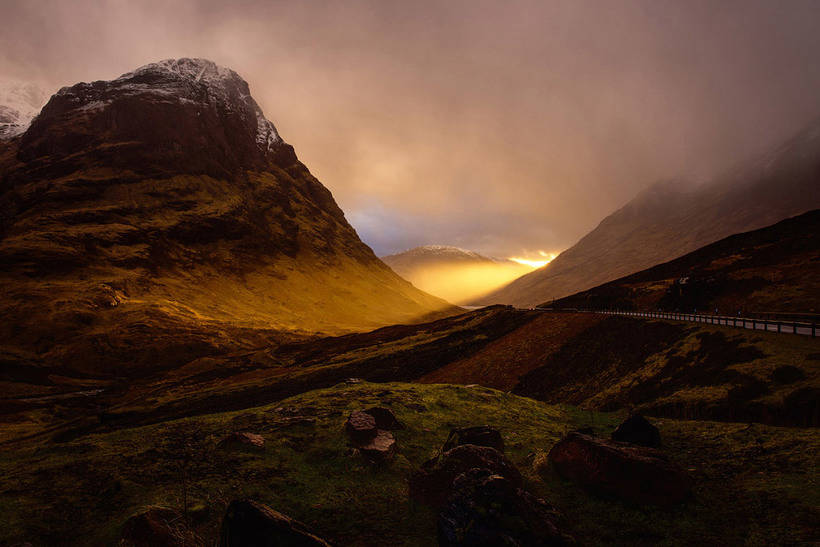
<point x="431" y="484"/>
<point x="637" y="430"/>
<point x="379" y="449"/>
<point x="243" y="441"/>
<point x="156" y="527"/>
<point x="633" y="473"/>
<point x="486" y="509"/>
<point x="251" y="524"/>
<point x="787" y="374"/>
<point x="481" y="435"/>
<point x="385" y="419"/>
<point x="361" y="427"/>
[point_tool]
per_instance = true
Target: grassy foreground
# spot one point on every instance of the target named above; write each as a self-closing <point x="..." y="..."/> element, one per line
<point x="754" y="484"/>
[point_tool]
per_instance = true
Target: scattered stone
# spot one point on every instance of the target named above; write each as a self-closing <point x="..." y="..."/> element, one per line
<point x="634" y="473"/>
<point x="360" y="426"/>
<point x="481" y="435"/>
<point x="637" y="430"/>
<point x="385" y="419"/>
<point x="251" y="524"/>
<point x="380" y="449"/>
<point x="353" y="381"/>
<point x="431" y="484"/>
<point x="243" y="441"/>
<point x="488" y="509"/>
<point x="156" y="527"/>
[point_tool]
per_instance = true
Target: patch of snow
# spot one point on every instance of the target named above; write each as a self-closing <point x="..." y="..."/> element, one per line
<point x="20" y="102"/>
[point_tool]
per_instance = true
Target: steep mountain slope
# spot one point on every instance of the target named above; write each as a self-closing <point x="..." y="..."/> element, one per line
<point x="158" y="217"/>
<point x="664" y="222"/>
<point x="455" y="274"/>
<point x="773" y="269"/>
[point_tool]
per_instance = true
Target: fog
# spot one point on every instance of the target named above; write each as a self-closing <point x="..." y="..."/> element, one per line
<point x="501" y="127"/>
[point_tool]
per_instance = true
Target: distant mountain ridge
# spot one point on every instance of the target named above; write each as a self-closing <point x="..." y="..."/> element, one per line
<point x="663" y="222"/>
<point x="20" y="102"/>
<point x="159" y="217"/>
<point x="453" y="273"/>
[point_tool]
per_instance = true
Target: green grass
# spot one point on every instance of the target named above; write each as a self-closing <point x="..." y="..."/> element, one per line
<point x="81" y="492"/>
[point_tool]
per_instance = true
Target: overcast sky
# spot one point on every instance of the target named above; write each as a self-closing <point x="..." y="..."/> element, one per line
<point x="503" y="127"/>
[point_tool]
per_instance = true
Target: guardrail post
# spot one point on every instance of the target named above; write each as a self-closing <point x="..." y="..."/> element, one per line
<point x="795" y="327"/>
<point x="778" y="326"/>
<point x="754" y="327"/>
<point x="813" y="330"/>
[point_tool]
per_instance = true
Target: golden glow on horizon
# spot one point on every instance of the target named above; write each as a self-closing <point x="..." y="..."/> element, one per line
<point x="545" y="258"/>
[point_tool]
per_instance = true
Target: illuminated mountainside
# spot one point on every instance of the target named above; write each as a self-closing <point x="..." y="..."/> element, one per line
<point x="160" y="216"/>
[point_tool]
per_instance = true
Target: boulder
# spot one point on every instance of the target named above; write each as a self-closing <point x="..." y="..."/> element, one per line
<point x="360" y="426"/>
<point x="481" y="435"/>
<point x="385" y="419"/>
<point x="633" y="473"/>
<point x="379" y="449"/>
<point x="431" y="484"/>
<point x="243" y="441"/>
<point x="487" y="509"/>
<point x="156" y="527"/>
<point x="637" y="430"/>
<point x="248" y="523"/>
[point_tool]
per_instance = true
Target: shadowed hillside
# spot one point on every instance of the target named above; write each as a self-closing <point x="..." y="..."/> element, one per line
<point x="774" y="269"/>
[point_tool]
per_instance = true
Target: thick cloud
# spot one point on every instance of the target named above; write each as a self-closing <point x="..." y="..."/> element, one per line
<point x="504" y="127"/>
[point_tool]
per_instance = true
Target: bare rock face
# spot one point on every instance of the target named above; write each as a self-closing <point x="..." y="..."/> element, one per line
<point x="482" y="435"/>
<point x="488" y="509"/>
<point x="633" y="473"/>
<point x="178" y="115"/>
<point x="637" y="430"/>
<point x="379" y="449"/>
<point x="433" y="482"/>
<point x="361" y="426"/>
<point x="248" y="523"/>
<point x="156" y="527"/>
<point x="243" y="441"/>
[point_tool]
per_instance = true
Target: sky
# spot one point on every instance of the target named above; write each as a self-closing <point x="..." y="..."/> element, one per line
<point x="504" y="127"/>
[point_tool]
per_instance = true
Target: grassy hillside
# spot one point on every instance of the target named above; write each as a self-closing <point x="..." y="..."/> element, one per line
<point x="754" y="484"/>
<point x="599" y="362"/>
<point x="774" y="269"/>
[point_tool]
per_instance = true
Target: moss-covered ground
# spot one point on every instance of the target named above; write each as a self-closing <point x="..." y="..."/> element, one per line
<point x="754" y="484"/>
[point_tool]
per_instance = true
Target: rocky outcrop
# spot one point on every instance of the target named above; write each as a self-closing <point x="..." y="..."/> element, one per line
<point x="369" y="433"/>
<point x="156" y="527"/>
<point x="481" y="435"/>
<point x="248" y="523"/>
<point x="432" y="483"/>
<point x="487" y="509"/>
<point x="633" y="473"/>
<point x="637" y="430"/>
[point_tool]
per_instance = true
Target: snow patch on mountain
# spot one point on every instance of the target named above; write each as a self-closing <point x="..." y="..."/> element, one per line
<point x="20" y="102"/>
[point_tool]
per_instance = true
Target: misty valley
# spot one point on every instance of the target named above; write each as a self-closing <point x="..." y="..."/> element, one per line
<point x="200" y="347"/>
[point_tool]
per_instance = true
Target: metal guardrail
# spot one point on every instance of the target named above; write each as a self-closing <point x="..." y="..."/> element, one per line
<point x="788" y="327"/>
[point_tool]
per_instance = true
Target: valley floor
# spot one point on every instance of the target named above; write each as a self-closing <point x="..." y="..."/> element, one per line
<point x="754" y="484"/>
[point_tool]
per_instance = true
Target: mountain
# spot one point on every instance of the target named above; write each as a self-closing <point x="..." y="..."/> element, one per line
<point x="19" y="103"/>
<point x="158" y="217"/>
<point x="455" y="274"/>
<point x="665" y="221"/>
